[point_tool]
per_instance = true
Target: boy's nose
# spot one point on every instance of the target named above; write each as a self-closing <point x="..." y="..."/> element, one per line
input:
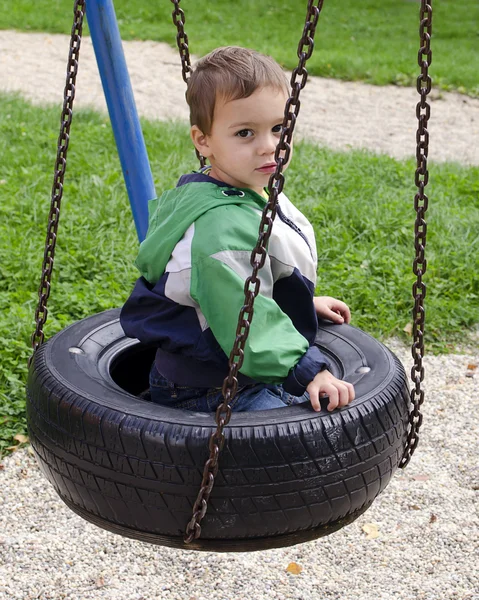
<point x="268" y="145"/>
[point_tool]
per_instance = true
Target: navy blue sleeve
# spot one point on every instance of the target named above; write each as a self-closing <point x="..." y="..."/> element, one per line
<point x="310" y="364"/>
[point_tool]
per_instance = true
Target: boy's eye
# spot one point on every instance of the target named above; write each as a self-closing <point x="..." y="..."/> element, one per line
<point x="277" y="128"/>
<point x="244" y="133"/>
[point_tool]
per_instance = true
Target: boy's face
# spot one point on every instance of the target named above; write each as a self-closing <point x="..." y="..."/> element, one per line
<point x="243" y="138"/>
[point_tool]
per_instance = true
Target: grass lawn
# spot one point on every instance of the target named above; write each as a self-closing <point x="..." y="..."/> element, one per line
<point x="373" y="40"/>
<point x="360" y="205"/>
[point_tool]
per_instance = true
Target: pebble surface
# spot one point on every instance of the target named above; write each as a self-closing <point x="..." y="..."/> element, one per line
<point x="427" y="523"/>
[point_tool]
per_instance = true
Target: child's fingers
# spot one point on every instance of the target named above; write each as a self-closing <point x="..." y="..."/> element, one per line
<point x="335" y="317"/>
<point x="314" y="398"/>
<point x="335" y="310"/>
<point x="346" y="313"/>
<point x="340" y="393"/>
<point x="343" y="310"/>
<point x="343" y="394"/>
<point x="351" y="391"/>
<point x="333" y="393"/>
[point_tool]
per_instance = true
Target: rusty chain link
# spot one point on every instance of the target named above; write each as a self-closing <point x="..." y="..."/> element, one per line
<point x="423" y="112"/>
<point x="257" y="260"/>
<point x="182" y="40"/>
<point x="41" y="312"/>
<point x="179" y="20"/>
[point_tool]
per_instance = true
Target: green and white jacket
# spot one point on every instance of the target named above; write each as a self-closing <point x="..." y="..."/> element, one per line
<point x="194" y="262"/>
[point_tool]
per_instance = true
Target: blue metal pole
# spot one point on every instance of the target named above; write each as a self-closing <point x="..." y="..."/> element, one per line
<point x="106" y="40"/>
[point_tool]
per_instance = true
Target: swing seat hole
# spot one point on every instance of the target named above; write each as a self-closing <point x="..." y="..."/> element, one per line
<point x="130" y="369"/>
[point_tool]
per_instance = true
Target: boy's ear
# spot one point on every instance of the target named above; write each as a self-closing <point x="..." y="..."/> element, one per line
<point x="200" y="140"/>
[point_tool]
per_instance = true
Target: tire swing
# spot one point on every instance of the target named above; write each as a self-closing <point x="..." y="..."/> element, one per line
<point x="286" y="475"/>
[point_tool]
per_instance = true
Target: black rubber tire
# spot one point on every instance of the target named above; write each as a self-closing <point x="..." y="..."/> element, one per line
<point x="286" y="476"/>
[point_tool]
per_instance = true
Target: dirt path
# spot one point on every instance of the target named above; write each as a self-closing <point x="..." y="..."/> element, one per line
<point x="337" y="114"/>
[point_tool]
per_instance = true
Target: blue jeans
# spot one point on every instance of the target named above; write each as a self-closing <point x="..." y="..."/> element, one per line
<point x="260" y="396"/>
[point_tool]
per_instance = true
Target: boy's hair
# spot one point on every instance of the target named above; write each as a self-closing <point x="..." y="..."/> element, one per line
<point x="231" y="73"/>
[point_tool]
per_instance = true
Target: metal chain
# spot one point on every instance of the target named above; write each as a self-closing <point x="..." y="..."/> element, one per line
<point x="257" y="260"/>
<point x="179" y="20"/>
<point x="423" y="112"/>
<point x="182" y="40"/>
<point x="41" y="312"/>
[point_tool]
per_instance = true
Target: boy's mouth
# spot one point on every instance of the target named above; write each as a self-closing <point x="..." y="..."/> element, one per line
<point x="267" y="168"/>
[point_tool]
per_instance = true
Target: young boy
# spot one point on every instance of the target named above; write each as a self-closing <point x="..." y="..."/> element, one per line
<point x="196" y="257"/>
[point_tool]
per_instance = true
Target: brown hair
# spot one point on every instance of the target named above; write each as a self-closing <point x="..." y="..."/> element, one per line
<point x="232" y="73"/>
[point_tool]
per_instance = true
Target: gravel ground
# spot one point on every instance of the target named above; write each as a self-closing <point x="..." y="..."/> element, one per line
<point x="337" y="114"/>
<point x="427" y="521"/>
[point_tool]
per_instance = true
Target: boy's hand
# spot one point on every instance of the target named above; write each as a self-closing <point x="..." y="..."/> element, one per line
<point x="332" y="309"/>
<point x="340" y="393"/>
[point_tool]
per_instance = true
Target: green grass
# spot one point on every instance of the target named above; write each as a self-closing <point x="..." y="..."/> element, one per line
<point x="360" y="205"/>
<point x="372" y="40"/>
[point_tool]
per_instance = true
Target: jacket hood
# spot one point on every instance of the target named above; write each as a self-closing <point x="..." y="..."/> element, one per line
<point x="175" y="210"/>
